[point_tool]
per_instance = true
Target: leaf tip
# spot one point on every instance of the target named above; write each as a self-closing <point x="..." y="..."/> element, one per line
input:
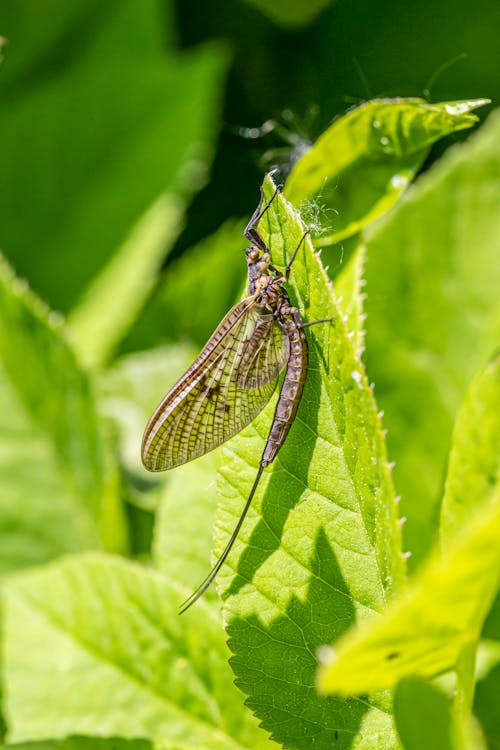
<point x="327" y="657"/>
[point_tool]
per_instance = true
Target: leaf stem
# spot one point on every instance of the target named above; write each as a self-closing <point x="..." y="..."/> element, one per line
<point x="465" y="670"/>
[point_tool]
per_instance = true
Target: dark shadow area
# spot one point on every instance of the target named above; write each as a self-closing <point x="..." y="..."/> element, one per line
<point x="491" y="627"/>
<point x="67" y="47"/>
<point x="349" y="53"/>
<point x="278" y="665"/>
<point x="487" y="707"/>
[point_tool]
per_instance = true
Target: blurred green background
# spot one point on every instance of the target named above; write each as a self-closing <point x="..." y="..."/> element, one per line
<point x="107" y="105"/>
<point x="135" y="135"/>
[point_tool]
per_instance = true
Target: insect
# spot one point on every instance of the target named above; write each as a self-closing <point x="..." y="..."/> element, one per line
<point x="234" y="377"/>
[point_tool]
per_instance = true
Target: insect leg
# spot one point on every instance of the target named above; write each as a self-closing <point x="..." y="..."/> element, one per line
<point x="315" y="322"/>
<point x="294" y="254"/>
<point x="251" y="232"/>
<point x="299" y="323"/>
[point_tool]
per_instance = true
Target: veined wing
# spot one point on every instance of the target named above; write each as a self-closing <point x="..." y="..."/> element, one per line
<point x="263" y="355"/>
<point x="224" y="389"/>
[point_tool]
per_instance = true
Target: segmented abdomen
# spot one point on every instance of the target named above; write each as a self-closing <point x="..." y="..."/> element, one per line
<point x="293" y="385"/>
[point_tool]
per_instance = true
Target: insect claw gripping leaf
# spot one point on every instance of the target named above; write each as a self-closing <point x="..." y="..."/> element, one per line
<point x="234" y="377"/>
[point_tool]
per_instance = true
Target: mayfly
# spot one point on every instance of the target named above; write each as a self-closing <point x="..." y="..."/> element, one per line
<point x="234" y="377"/>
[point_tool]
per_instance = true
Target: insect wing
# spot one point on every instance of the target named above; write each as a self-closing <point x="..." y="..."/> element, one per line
<point x="225" y="388"/>
<point x="263" y="355"/>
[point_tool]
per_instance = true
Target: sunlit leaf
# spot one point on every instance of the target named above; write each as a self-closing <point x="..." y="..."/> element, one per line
<point x="348" y="290"/>
<point x="426" y="630"/>
<point x="366" y="159"/>
<point x="113" y="299"/>
<point x="56" y="477"/>
<point x="320" y="547"/>
<point x="84" y="743"/>
<point x="474" y="466"/>
<point x="433" y="313"/>
<point x="121" y="661"/>
<point x="130" y="390"/>
<point x="184" y="522"/>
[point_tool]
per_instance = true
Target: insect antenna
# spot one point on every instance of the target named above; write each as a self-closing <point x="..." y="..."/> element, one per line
<point x="218" y="565"/>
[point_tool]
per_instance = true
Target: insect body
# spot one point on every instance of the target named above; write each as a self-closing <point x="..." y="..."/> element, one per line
<point x="234" y="377"/>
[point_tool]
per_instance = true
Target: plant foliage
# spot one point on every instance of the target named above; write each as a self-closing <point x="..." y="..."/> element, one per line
<point x="323" y="640"/>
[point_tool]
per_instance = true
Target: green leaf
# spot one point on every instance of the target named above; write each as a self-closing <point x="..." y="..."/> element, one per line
<point x="360" y="166"/>
<point x="348" y="286"/>
<point x="105" y="743"/>
<point x="425" y="720"/>
<point x="291" y="13"/>
<point x="488" y="656"/>
<point x="94" y="643"/>
<point x="113" y="299"/>
<point x="184" y="522"/>
<point x="423" y="716"/>
<point x="433" y="313"/>
<point x="3" y="726"/>
<point x="211" y="274"/>
<point x="40" y="515"/>
<point x="52" y="457"/>
<point x="83" y="743"/>
<point x="487" y="707"/>
<point x="38" y="38"/>
<point x="492" y="624"/>
<point x="474" y="467"/>
<point x="130" y="390"/>
<point x="56" y="394"/>
<point x="425" y="631"/>
<point x="120" y="118"/>
<point x="320" y="547"/>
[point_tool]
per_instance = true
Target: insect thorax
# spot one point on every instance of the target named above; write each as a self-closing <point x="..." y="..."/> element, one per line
<point x="258" y="266"/>
<point x="267" y="287"/>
